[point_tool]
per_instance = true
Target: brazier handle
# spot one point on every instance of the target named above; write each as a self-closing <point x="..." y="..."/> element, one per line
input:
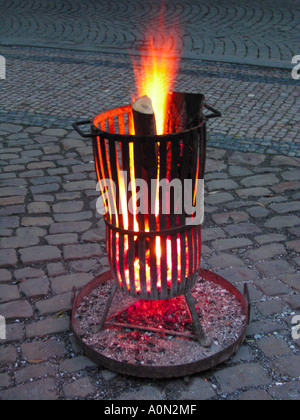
<point x="79" y="131"/>
<point x="214" y="114"/>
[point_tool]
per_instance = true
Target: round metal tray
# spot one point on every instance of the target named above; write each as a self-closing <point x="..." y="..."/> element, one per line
<point x="207" y="359"/>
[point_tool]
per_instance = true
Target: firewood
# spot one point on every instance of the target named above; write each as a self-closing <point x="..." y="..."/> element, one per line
<point x="144" y="117"/>
<point x="185" y="111"/>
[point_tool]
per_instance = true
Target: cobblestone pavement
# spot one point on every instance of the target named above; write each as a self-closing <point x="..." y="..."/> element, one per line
<point x="235" y="31"/>
<point x="52" y="239"/>
<point x="46" y="87"/>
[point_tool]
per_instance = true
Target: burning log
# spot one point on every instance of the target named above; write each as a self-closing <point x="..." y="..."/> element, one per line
<point x="185" y="111"/>
<point x="144" y="117"/>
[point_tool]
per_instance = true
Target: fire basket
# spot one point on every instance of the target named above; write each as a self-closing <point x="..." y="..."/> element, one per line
<point x="153" y="255"/>
<point x="151" y="186"/>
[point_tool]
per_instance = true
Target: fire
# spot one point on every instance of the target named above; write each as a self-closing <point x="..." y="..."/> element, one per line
<point x="156" y="70"/>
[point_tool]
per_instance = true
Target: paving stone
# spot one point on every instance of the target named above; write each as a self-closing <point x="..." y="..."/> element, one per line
<point x="66" y="283"/>
<point x="255" y="395"/>
<point x="274" y="268"/>
<point x="294" y="245"/>
<point x="94" y="235"/>
<point x="86" y="266"/>
<point x="260" y="180"/>
<point x="14" y="332"/>
<point x="55" y="132"/>
<point x="209" y="234"/>
<point x="287" y="392"/>
<point x="69" y="227"/>
<point x="268" y="238"/>
<point x="68" y="207"/>
<point x="218" y="198"/>
<point x="40" y="165"/>
<point x="272" y="287"/>
<point x="288" y="366"/>
<point x="8" y="293"/>
<point x="254" y="192"/>
<point x="48" y="326"/>
<point x="31" y="231"/>
<point x="235" y="216"/>
<point x="270" y="307"/>
<point x="35" y="288"/>
<point x="293" y="175"/>
<point x="280" y="222"/>
<point x="47" y="188"/>
<point x="77" y="252"/>
<point x="11" y="210"/>
<point x="144" y="393"/>
<point x="258" y="212"/>
<point x="266" y="252"/>
<point x="213" y="166"/>
<point x="290" y="206"/>
<point x="226" y="261"/>
<point x="62" y="239"/>
<point x="7" y="201"/>
<point x="39" y="254"/>
<point x="239" y="171"/>
<point x="36" y="221"/>
<point x="17" y="309"/>
<point x="42" y="350"/>
<point x="28" y="273"/>
<point x="55" y="304"/>
<point x="69" y="144"/>
<point x="8" y="258"/>
<point x="38" y="208"/>
<point x="246" y="375"/>
<point x="286" y="186"/>
<point x="43" y="390"/>
<point x="273" y="346"/>
<point x="242" y="229"/>
<point x="4" y="380"/>
<point x="224" y="184"/>
<point x="80" y="388"/>
<point x="31" y="174"/>
<point x="73" y="217"/>
<point x="55" y="269"/>
<point x="5" y="275"/>
<point x="264" y="327"/>
<point x="238" y="274"/>
<point x="292" y="281"/>
<point x="285" y="161"/>
<point x="75" y="364"/>
<point x="198" y="390"/>
<point x="19" y="242"/>
<point x="80" y="186"/>
<point x="7" y="355"/>
<point x="68" y="196"/>
<point x="226" y="244"/>
<point x="6" y="232"/>
<point x="34" y="372"/>
<point x="43" y="198"/>
<point x="9" y="222"/>
<point x="294" y="301"/>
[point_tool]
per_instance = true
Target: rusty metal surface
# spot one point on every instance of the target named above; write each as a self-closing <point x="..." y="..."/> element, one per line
<point x="160" y="371"/>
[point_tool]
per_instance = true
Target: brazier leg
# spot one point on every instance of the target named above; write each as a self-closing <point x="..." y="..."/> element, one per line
<point x="108" y="305"/>
<point x="203" y="340"/>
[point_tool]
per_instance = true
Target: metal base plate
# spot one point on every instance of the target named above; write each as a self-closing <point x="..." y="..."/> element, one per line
<point x="223" y="311"/>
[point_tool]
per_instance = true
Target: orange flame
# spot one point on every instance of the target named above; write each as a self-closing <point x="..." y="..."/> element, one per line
<point x="156" y="70"/>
